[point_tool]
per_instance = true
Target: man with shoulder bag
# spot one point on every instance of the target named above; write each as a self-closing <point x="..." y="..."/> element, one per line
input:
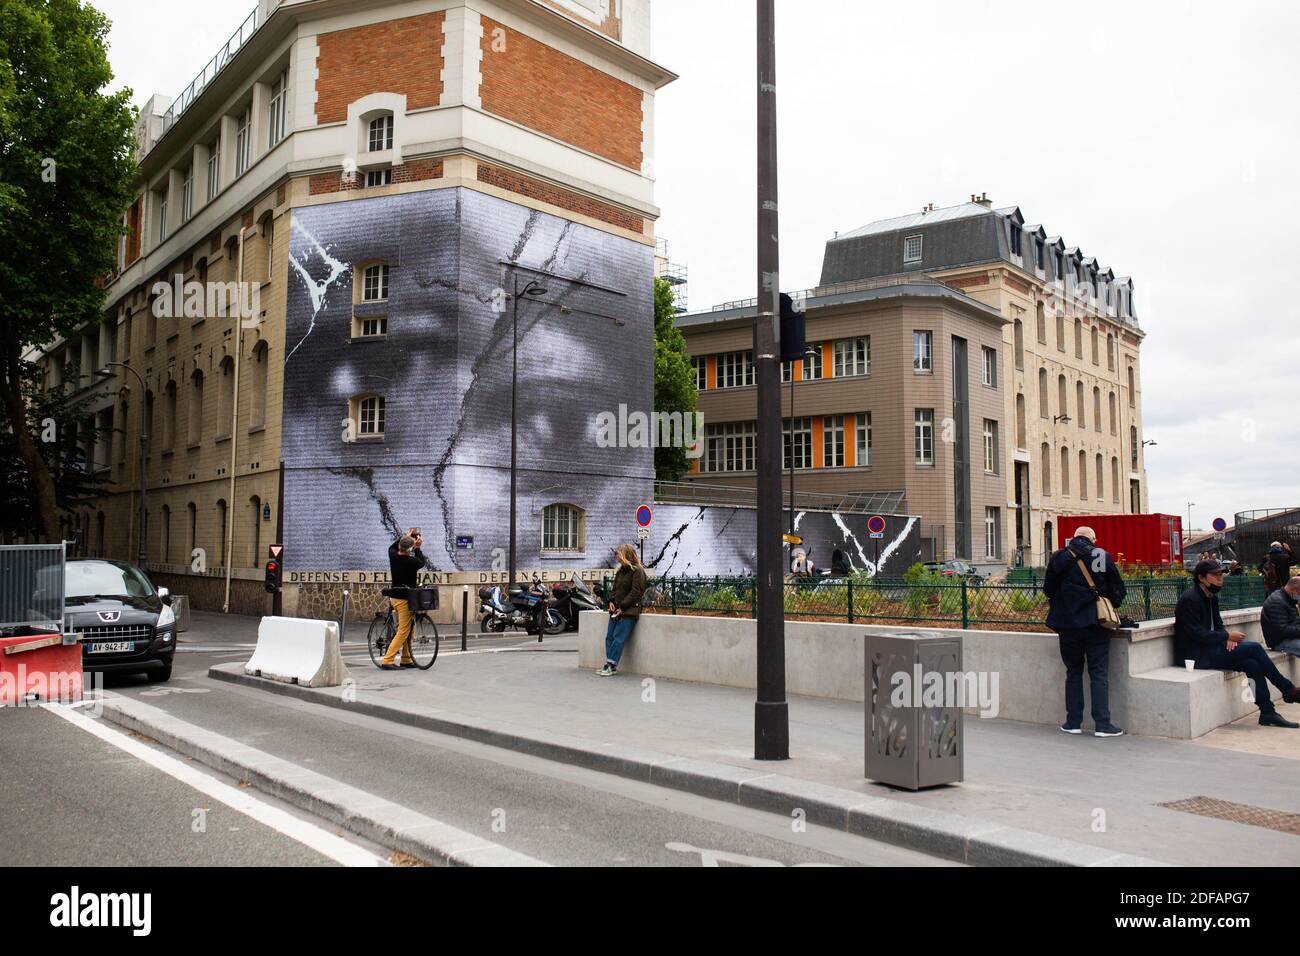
<point x="1085" y="590"/>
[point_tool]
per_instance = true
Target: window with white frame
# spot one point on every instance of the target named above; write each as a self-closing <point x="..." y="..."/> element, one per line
<point x="700" y="366"/>
<point x="787" y="371"/>
<point x="864" y="440"/>
<point x="798" y="436"/>
<point x="244" y="142"/>
<point x="374" y="285"/>
<point x="990" y="446"/>
<point x="381" y="133"/>
<point x="853" y="356"/>
<point x="833" y="441"/>
<point x="923" y="351"/>
<point x="279" y="108"/>
<point x="912" y="249"/>
<point x="729" y="446"/>
<point x="379" y="177"/>
<point x="924" y="435"/>
<point x="187" y="194"/>
<point x="562" y="528"/>
<point x="990" y="367"/>
<point x="369" y="326"/>
<point x="162" y="217"/>
<point x="735" y="369"/>
<point x="812" y="364"/>
<point x="370" y="416"/>
<point x="214" y="170"/>
<point x="992" y="532"/>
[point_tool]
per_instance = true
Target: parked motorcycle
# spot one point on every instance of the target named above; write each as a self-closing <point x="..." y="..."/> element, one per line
<point x="572" y="598"/>
<point x="530" y="608"/>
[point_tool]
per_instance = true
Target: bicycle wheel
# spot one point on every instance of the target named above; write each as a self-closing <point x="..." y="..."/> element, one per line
<point x="381" y="634"/>
<point x="424" y="641"/>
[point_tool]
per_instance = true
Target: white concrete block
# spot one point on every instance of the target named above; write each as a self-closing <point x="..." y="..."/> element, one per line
<point x="298" y="651"/>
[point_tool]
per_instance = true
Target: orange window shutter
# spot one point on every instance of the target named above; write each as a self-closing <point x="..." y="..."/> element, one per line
<point x="850" y="441"/>
<point x="827" y="366"/>
<point x="711" y="372"/>
<point x="818" y="458"/>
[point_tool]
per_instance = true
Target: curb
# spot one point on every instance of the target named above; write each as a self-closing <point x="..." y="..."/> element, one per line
<point x="936" y="832"/>
<point x="380" y="821"/>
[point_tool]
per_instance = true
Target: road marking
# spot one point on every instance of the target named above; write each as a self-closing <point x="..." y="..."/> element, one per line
<point x="308" y="834"/>
<point x="711" y="858"/>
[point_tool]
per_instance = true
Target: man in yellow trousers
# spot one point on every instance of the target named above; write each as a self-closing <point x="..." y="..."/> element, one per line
<point x="405" y="562"/>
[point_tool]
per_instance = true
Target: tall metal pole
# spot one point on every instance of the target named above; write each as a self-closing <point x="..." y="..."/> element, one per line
<point x="277" y="600"/>
<point x="514" y="431"/>
<point x="771" y="712"/>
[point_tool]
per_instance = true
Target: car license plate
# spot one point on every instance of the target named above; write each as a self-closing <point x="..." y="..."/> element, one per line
<point x="116" y="647"/>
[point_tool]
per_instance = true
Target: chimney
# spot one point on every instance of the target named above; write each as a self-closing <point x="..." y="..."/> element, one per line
<point x="984" y="201"/>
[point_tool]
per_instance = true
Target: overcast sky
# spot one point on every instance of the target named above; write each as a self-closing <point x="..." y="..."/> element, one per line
<point x="1160" y="137"/>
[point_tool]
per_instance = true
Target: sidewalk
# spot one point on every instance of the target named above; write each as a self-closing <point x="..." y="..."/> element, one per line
<point x="1104" y="793"/>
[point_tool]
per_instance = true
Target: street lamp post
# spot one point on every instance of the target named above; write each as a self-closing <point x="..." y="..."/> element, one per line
<point x="533" y="289"/>
<point x="141" y="554"/>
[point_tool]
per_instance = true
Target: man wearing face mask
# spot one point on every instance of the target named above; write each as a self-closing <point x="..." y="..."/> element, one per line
<point x="1199" y="635"/>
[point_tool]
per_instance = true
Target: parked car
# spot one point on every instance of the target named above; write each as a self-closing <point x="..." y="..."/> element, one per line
<point x="955" y="569"/>
<point x="127" y="625"/>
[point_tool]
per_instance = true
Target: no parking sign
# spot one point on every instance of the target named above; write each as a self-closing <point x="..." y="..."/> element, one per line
<point x="876" y="525"/>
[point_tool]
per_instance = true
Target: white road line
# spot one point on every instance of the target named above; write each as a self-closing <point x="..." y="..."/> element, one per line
<point x="308" y="834"/>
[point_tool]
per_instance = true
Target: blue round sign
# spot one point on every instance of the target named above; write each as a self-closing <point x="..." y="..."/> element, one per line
<point x="1220" y="524"/>
<point x="644" y="516"/>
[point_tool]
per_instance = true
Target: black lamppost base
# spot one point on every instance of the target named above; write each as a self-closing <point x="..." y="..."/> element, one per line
<point x="771" y="730"/>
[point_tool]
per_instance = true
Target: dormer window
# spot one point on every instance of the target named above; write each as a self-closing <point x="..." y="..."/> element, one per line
<point x="381" y="133"/>
<point x="912" y="249"/>
<point x="1015" y="240"/>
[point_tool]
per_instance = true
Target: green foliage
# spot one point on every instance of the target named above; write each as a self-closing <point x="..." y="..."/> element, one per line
<point x="674" y="380"/>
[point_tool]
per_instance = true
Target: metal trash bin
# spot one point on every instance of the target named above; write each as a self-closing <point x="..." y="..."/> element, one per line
<point x="910" y="744"/>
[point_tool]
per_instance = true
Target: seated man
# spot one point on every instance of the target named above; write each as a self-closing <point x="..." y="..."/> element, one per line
<point x="1281" y="620"/>
<point x="1199" y="635"/>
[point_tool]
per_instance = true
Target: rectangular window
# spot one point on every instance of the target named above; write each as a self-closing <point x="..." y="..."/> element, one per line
<point x="992" y="532"/>
<point x="187" y="194"/>
<point x="700" y="365"/>
<point x="735" y="369"/>
<point x="833" y="441"/>
<point x="729" y="447"/>
<point x="379" y="177"/>
<point x="375" y="284"/>
<point x="214" y="170"/>
<point x="924" y="433"/>
<point x="561" y="528"/>
<point x="1015" y="241"/>
<point x="1038" y="254"/>
<point x="798" y="443"/>
<point x="374" y="326"/>
<point x="864" y="440"/>
<point x="853" y="357"/>
<point x="912" y="249"/>
<point x="812" y="364"/>
<point x="162" y="219"/>
<point x="991" y="446"/>
<point x="381" y="134"/>
<point x="990" y="367"/>
<point x="244" y="143"/>
<point x="923" y="351"/>
<point x="787" y="371"/>
<point x="372" y="416"/>
<point x="279" y="109"/>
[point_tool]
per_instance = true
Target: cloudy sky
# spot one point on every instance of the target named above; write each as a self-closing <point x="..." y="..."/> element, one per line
<point x="1162" y="140"/>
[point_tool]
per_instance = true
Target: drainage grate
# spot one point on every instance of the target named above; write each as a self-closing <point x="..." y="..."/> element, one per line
<point x="1238" y="813"/>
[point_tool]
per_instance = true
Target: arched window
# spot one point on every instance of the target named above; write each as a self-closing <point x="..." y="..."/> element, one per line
<point x="1060" y="331"/>
<point x="1083" y="476"/>
<point x="165" y="548"/>
<point x="257" y="398"/>
<point x="1132" y="387"/>
<point x="1078" y="338"/>
<point x="232" y="259"/>
<point x="374" y="283"/>
<point x="380" y="133"/>
<point x="1114" y="479"/>
<point x="221" y="532"/>
<point x="1101" y="478"/>
<point x="149" y="423"/>
<point x="1096" y="346"/>
<point x="1114" y="415"/>
<point x="169" y="416"/>
<point x="562" y="528"/>
<point x="1062" y="396"/>
<point x="1044" y="410"/>
<point x="1110" y="352"/>
<point x="1133" y="444"/>
<point x="368" y="412"/>
<point x="225" y="396"/>
<point x="1042" y="324"/>
<point x="196" y="408"/>
<point x="267" y="230"/>
<point x="1096" y="408"/>
<point x="1078" y="404"/>
<point x="1020" y="344"/>
<point x="255" y="527"/>
<point x="191" y="536"/>
<point x="1065" y="471"/>
<point x="1021" y="429"/>
<point x="1046" y="459"/>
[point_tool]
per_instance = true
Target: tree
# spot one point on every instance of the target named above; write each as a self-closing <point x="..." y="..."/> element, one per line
<point x="674" y="380"/>
<point x="66" y="173"/>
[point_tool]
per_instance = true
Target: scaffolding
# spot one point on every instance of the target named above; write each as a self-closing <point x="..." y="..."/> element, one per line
<point x="674" y="273"/>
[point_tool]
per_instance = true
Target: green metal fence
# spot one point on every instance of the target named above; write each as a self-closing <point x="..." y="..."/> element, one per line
<point x="938" y="602"/>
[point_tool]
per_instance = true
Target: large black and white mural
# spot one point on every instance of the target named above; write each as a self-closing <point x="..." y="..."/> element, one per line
<point x="690" y="540"/>
<point x="444" y="370"/>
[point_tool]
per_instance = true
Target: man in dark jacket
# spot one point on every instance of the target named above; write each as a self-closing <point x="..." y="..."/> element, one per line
<point x="1281" y="621"/>
<point x="405" y="562"/>
<point x="1276" y="566"/>
<point x="1199" y="636"/>
<point x="1073" y="616"/>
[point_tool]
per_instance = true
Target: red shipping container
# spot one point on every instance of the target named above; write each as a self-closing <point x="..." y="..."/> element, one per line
<point x="1155" y="540"/>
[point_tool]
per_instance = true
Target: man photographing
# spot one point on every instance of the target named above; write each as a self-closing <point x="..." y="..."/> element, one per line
<point x="405" y="562"/>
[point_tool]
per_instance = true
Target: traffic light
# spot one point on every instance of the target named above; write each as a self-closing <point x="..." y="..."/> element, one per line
<point x="275" y="569"/>
<point x="793" y="342"/>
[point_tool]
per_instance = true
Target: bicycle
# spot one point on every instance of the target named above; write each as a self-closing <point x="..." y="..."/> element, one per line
<point x="423" y="642"/>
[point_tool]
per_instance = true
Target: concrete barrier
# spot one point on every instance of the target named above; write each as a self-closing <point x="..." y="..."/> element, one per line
<point x="298" y="651"/>
<point x="39" y="665"/>
<point x="181" y="608"/>
<point x="1148" y="693"/>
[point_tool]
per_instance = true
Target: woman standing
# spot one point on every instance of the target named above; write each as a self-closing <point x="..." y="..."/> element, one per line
<point x="624" y="607"/>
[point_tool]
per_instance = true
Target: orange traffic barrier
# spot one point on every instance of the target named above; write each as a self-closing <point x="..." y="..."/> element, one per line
<point x="39" y="665"/>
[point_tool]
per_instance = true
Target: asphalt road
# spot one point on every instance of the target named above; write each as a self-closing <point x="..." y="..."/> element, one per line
<point x="554" y="812"/>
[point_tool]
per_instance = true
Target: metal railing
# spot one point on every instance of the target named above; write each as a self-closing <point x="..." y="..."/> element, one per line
<point x="706" y="493"/>
<point x="214" y="66"/>
<point x="840" y="288"/>
<point x="886" y="600"/>
<point x="32" y="586"/>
